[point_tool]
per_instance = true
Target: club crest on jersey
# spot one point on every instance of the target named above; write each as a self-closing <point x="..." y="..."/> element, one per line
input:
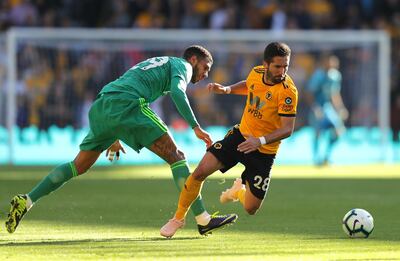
<point x="268" y="96"/>
<point x="218" y="146"/>
<point x="288" y="100"/>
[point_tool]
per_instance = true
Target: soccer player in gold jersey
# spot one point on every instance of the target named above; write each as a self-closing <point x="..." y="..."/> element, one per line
<point x="268" y="117"/>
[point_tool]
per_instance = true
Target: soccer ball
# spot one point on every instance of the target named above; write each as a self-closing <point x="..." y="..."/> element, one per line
<point x="358" y="223"/>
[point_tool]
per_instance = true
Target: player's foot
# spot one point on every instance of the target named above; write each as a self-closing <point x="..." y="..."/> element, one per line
<point x="17" y="211"/>
<point x="169" y="229"/>
<point x="230" y="194"/>
<point x="216" y="222"/>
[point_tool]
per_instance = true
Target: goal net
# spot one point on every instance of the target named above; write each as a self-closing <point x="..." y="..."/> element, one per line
<point x="54" y="75"/>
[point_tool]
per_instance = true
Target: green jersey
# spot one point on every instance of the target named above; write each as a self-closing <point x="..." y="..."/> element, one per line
<point x="156" y="77"/>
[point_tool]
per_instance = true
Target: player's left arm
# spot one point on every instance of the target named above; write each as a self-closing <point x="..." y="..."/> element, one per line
<point x="253" y="143"/>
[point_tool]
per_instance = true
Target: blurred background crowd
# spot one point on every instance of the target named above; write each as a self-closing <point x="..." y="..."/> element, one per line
<point x="56" y="86"/>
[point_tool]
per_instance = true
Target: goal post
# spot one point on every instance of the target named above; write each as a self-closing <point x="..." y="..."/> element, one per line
<point x="45" y="52"/>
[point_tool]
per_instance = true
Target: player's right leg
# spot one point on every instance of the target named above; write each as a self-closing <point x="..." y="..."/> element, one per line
<point x="20" y="204"/>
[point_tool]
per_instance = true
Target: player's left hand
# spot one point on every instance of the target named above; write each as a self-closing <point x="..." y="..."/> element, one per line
<point x="344" y="113"/>
<point x="203" y="135"/>
<point x="113" y="151"/>
<point x="249" y="145"/>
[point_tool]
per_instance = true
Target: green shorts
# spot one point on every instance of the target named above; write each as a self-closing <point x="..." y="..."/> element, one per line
<point x="119" y="116"/>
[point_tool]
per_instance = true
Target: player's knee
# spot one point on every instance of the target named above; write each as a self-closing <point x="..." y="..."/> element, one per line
<point x="251" y="210"/>
<point x="81" y="168"/>
<point x="201" y="172"/>
<point x="197" y="175"/>
<point x="251" y="207"/>
<point x="176" y="156"/>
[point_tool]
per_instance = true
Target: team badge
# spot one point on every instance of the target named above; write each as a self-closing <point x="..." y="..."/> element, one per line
<point x="288" y="100"/>
<point x="268" y="96"/>
<point x="218" y="145"/>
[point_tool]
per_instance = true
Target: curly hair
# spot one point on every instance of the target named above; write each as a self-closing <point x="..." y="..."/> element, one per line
<point x="198" y="51"/>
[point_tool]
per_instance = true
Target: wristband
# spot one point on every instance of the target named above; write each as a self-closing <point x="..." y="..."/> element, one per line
<point x="262" y="140"/>
<point x="228" y="90"/>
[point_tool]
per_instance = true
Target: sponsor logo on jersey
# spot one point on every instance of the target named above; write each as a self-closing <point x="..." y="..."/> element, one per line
<point x="256" y="113"/>
<point x="255" y="105"/>
<point x="255" y="101"/>
<point x="287" y="108"/>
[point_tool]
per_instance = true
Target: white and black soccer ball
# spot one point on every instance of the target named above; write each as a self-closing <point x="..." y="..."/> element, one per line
<point x="358" y="223"/>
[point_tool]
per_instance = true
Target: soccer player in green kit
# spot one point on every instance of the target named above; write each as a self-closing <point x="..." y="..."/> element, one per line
<point x="121" y="112"/>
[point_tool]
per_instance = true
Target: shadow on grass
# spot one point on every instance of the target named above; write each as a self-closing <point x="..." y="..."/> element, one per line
<point x="50" y="242"/>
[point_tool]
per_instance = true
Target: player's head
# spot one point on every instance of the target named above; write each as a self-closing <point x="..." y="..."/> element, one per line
<point x="333" y="62"/>
<point x="200" y="59"/>
<point x="329" y="61"/>
<point x="276" y="61"/>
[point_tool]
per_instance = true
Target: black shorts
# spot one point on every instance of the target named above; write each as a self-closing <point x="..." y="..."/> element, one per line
<point x="257" y="165"/>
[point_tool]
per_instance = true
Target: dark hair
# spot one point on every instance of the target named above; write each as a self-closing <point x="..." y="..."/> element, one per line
<point x="276" y="49"/>
<point x="198" y="51"/>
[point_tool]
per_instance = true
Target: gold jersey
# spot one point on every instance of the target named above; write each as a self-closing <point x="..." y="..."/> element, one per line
<point x="265" y="104"/>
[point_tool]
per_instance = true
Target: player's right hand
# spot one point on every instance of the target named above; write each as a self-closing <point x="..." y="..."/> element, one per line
<point x="216" y="88"/>
<point x="203" y="135"/>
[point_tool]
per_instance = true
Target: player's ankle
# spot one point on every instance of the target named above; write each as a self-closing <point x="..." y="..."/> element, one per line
<point x="203" y="219"/>
<point x="29" y="202"/>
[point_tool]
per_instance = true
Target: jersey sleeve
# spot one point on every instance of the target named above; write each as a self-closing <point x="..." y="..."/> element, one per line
<point x="179" y="97"/>
<point x="287" y="102"/>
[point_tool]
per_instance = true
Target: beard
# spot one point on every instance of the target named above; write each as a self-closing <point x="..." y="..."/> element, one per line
<point x="274" y="79"/>
<point x="194" y="75"/>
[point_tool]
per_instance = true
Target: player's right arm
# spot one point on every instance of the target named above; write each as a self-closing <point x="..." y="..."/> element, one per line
<point x="178" y="95"/>
<point x="239" y="88"/>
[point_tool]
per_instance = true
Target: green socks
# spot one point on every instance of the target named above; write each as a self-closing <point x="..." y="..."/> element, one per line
<point x="56" y="178"/>
<point x="180" y="171"/>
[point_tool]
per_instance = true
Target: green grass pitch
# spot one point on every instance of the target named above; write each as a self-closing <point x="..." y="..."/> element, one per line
<point x="114" y="213"/>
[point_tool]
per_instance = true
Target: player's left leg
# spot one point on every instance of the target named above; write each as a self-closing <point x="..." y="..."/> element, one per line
<point x="243" y="194"/>
<point x="251" y="203"/>
<point x="20" y="204"/>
